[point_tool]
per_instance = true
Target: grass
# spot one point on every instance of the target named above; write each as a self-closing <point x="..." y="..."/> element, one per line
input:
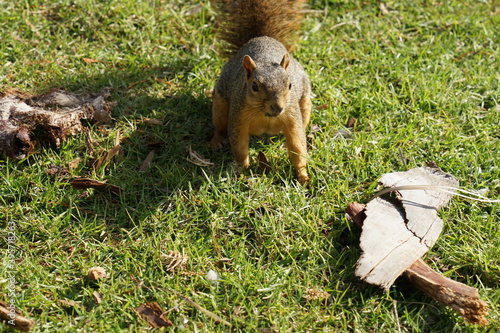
<point x="421" y="80"/>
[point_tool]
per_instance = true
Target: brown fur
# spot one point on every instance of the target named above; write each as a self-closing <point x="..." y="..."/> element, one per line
<point x="279" y="19"/>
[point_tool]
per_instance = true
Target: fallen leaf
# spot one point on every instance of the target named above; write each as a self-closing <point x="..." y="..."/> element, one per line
<point x="147" y="161"/>
<point x="194" y="10"/>
<point x="68" y="303"/>
<point x="174" y="261"/>
<point x="97" y="273"/>
<point x="13" y="318"/>
<point x="88" y="141"/>
<point x="315" y="294"/>
<point x="74" y="163"/>
<point x="197" y="159"/>
<point x="90" y="60"/>
<point x="152" y="121"/>
<point x="85" y="183"/>
<point x="351" y="122"/>
<point x="97" y="297"/>
<point x="57" y="170"/>
<point x="155" y="316"/>
<point x="264" y="163"/>
<point x="383" y="8"/>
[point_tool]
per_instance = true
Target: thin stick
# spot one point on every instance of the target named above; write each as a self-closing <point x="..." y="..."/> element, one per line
<point x="440" y="188"/>
<point x="202" y="309"/>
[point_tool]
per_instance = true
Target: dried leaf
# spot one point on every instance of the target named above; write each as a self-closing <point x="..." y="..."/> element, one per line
<point x="68" y="303"/>
<point x="55" y="169"/>
<point x="460" y="297"/>
<point x="155" y="316"/>
<point x="88" y="141"/>
<point x="351" y="122"/>
<point x="152" y="121"/>
<point x="147" y="161"/>
<point x="97" y="297"/>
<point x="74" y="163"/>
<point x="85" y="183"/>
<point x="97" y="273"/>
<point x="195" y="10"/>
<point x="316" y="294"/>
<point x="264" y="163"/>
<point x="383" y="8"/>
<point x="13" y="318"/>
<point x="90" y="60"/>
<point x="174" y="261"/>
<point x="197" y="159"/>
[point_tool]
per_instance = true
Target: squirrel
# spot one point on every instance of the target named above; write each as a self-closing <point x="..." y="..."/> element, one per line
<point x="262" y="89"/>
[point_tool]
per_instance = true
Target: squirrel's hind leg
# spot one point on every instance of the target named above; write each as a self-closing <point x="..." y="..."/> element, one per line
<point x="220" y="110"/>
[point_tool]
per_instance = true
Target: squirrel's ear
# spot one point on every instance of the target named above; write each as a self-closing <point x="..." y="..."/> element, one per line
<point x="285" y="61"/>
<point x="249" y="65"/>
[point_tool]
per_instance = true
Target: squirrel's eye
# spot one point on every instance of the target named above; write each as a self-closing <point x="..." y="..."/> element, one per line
<point x="290" y="86"/>
<point x="255" y="87"/>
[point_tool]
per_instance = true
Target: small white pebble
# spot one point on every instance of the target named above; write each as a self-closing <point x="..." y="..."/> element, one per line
<point x="212" y="276"/>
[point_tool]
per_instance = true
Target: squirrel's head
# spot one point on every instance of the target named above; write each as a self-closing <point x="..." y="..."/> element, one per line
<point x="268" y="85"/>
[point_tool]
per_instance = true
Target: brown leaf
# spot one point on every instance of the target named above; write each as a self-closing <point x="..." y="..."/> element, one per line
<point x="322" y="107"/>
<point x="351" y="122"/>
<point x="147" y="161"/>
<point x="74" y="163"/>
<point x="196" y="158"/>
<point x="194" y="10"/>
<point x="174" y="261"/>
<point x="97" y="297"/>
<point x="316" y="294"/>
<point x="90" y="60"/>
<point x="57" y="170"/>
<point x="264" y="162"/>
<point x="97" y="273"/>
<point x="68" y="303"/>
<point x="155" y="316"/>
<point x="85" y="183"/>
<point x="152" y="121"/>
<point x="383" y="8"/>
<point x="88" y="141"/>
<point x="12" y="318"/>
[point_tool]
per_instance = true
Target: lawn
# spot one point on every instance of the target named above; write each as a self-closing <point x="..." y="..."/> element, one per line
<point x="421" y="78"/>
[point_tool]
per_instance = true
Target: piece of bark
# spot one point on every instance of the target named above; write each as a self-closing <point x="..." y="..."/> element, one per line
<point x="48" y="118"/>
<point x="420" y="206"/>
<point x="460" y="297"/>
<point x="395" y="235"/>
<point x="14" y="319"/>
<point x="15" y="141"/>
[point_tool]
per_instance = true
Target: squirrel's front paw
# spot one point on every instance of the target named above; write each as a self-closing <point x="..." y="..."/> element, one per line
<point x="217" y="142"/>
<point x="303" y="178"/>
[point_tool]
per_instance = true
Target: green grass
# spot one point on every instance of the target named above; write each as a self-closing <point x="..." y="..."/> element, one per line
<point x="422" y="82"/>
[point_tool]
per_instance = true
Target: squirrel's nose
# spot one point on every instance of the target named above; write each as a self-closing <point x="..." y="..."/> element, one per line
<point x="276" y="109"/>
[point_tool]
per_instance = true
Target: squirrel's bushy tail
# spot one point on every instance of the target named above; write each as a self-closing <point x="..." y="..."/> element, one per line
<point x="242" y="20"/>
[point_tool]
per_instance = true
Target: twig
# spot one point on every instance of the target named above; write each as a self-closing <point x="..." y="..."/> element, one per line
<point x="440" y="188"/>
<point x="212" y="315"/>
